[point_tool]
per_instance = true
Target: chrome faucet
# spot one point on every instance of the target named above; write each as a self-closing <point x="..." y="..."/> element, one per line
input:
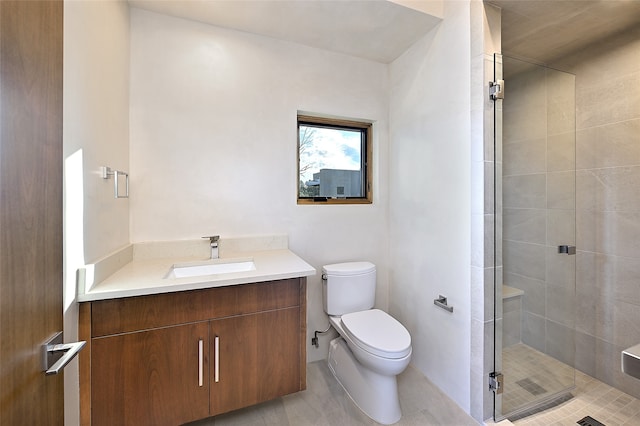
<point x="213" y="241"/>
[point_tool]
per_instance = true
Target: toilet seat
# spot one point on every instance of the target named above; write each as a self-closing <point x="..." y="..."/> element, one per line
<point x="378" y="333"/>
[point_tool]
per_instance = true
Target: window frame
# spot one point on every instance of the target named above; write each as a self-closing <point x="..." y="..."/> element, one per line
<point x="366" y="127"/>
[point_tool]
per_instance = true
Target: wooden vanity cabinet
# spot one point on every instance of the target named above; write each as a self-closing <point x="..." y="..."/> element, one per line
<point x="144" y="363"/>
<point x="256" y="355"/>
<point x="149" y="377"/>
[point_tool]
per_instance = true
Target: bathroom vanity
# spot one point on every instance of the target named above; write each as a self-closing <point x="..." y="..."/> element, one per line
<point x="179" y="354"/>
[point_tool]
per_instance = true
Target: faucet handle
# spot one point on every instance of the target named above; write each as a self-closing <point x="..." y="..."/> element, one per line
<point x="213" y="238"/>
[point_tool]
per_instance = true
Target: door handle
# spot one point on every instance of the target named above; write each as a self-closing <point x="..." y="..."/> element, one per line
<point x="59" y="354"/>
<point x="200" y="361"/>
<point x="570" y="250"/>
<point x="216" y="361"/>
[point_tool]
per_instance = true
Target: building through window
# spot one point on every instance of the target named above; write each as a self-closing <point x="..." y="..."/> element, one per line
<point x="334" y="161"/>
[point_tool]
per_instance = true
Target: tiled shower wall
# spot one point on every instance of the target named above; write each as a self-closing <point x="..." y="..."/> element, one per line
<point x="539" y="206"/>
<point x="608" y="205"/>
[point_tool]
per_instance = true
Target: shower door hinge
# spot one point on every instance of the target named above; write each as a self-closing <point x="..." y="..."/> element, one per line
<point x="496" y="382"/>
<point x="496" y="90"/>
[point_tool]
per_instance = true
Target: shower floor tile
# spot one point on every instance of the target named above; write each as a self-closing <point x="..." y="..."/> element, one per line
<point x="591" y="397"/>
<point x="530" y="375"/>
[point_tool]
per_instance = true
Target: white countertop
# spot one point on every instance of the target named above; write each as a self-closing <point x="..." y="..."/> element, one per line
<point x="147" y="276"/>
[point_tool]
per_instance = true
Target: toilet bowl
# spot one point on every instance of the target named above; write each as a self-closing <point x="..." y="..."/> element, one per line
<point x="376" y="339"/>
<point x="373" y="347"/>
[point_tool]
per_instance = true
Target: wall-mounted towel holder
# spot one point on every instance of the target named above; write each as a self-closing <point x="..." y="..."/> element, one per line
<point x="108" y="172"/>
<point x="441" y="302"/>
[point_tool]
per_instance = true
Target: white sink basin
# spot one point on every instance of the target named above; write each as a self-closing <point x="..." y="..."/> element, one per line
<point x="214" y="267"/>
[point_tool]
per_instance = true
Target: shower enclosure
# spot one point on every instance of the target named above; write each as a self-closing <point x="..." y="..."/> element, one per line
<point x="534" y="235"/>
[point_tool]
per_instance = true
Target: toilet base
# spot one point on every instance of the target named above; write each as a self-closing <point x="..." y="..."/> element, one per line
<point x="375" y="394"/>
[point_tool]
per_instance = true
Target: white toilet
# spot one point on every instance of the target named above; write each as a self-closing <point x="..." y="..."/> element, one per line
<point x="373" y="348"/>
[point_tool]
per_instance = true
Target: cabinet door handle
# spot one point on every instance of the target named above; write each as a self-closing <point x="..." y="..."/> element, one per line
<point x="216" y="355"/>
<point x="200" y="360"/>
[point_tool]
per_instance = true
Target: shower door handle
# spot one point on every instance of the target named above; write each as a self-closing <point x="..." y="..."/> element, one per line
<point x="570" y="250"/>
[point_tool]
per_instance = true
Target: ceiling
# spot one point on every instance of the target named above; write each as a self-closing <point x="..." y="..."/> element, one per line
<point x="381" y="30"/>
<point x="378" y="30"/>
<point x="545" y="30"/>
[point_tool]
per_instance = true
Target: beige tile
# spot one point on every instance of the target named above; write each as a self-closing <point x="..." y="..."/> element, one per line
<point x="585" y="352"/>
<point x="623" y="274"/>
<point x="610" y="145"/>
<point x="608" y="189"/>
<point x="525" y="225"/>
<point x="533" y="331"/>
<point x="626" y="317"/>
<point x="561" y="102"/>
<point x="489" y="189"/>
<point x="631" y="409"/>
<point x="524" y="363"/>
<point x="609" y="232"/>
<point x="561" y="227"/>
<point x="619" y="233"/>
<point x="634" y="421"/>
<point x="560" y="307"/>
<point x="585" y="230"/>
<point x="561" y="190"/>
<point x="591" y="397"/>
<point x="525" y="259"/>
<point x="511" y="329"/>
<point x="525" y="191"/>
<point x="525" y="107"/>
<point x="586" y="184"/>
<point x="325" y="403"/>
<point x="561" y="152"/>
<point x="524" y="156"/>
<point x="618" y="55"/>
<point x="560" y="269"/>
<point x="533" y="299"/>
<point x="560" y="342"/>
<point x="621" y="95"/>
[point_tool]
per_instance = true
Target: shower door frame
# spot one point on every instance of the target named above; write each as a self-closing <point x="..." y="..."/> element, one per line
<point x="499" y="272"/>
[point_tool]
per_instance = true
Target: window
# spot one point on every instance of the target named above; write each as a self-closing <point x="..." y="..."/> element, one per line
<point x="334" y="161"/>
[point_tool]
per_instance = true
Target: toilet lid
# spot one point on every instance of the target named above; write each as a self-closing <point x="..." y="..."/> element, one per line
<point x="378" y="333"/>
<point x="349" y="268"/>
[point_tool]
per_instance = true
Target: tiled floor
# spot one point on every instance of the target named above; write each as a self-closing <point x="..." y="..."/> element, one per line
<point x="423" y="404"/>
<point x="530" y="375"/>
<point x="325" y="403"/>
<point x="591" y="398"/>
<point x="527" y="371"/>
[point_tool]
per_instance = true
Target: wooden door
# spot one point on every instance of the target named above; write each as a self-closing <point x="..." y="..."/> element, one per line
<point x="150" y="377"/>
<point x="30" y="208"/>
<point x="258" y="358"/>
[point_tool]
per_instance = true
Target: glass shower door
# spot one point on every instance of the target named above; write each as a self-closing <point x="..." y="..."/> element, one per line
<point x="535" y="235"/>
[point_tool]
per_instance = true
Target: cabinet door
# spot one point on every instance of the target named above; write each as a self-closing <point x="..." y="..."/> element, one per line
<point x="151" y="377"/>
<point x="258" y="358"/>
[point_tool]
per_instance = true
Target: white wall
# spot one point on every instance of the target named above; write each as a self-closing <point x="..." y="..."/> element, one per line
<point x="213" y="143"/>
<point x="96" y="133"/>
<point x="430" y="193"/>
<point x="96" y="113"/>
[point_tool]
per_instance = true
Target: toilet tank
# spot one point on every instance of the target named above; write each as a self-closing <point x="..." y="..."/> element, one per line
<point x="348" y="287"/>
